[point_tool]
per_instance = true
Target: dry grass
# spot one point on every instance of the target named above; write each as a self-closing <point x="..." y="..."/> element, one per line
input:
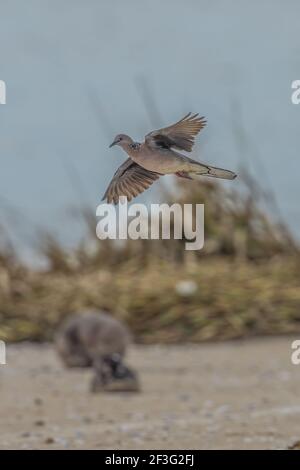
<point x="245" y="282"/>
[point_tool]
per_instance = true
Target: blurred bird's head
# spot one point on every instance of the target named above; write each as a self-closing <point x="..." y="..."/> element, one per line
<point x="122" y="140"/>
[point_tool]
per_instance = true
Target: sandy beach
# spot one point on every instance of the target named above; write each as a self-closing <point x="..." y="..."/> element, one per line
<point x="236" y="395"/>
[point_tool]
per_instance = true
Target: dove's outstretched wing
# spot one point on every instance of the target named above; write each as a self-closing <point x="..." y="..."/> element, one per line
<point x="180" y="135"/>
<point x="129" y="180"/>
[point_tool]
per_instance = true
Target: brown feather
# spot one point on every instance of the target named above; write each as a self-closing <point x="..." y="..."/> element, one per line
<point x="180" y="135"/>
<point x="129" y="180"/>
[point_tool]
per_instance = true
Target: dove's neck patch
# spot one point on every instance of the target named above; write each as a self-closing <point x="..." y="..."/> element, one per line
<point x="135" y="145"/>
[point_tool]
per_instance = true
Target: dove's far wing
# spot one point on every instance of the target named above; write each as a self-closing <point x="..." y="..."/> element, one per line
<point x="180" y="135"/>
<point x="129" y="180"/>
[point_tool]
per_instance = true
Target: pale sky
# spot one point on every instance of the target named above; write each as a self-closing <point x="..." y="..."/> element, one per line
<point x="73" y="71"/>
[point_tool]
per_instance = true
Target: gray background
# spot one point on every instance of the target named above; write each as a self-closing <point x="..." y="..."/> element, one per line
<point x="75" y="72"/>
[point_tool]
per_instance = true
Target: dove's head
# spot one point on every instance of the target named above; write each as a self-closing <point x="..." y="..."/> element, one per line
<point x="122" y="140"/>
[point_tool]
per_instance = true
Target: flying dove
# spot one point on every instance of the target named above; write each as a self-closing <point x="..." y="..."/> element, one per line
<point x="157" y="156"/>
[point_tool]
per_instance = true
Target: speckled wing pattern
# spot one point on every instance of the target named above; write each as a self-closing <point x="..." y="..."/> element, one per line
<point x="129" y="180"/>
<point x="180" y="135"/>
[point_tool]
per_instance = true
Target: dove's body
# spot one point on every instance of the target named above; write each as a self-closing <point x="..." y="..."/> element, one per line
<point x="156" y="157"/>
<point x="163" y="161"/>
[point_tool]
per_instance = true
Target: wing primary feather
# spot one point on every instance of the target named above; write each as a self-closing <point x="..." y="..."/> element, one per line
<point x="180" y="135"/>
<point x="129" y="180"/>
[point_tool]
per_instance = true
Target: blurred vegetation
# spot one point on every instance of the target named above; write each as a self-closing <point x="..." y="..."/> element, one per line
<point x="244" y="282"/>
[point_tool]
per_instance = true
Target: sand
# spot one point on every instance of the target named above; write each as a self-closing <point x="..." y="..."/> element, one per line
<point x="237" y="395"/>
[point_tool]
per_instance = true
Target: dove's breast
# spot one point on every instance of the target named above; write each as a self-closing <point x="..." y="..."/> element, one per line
<point x="161" y="161"/>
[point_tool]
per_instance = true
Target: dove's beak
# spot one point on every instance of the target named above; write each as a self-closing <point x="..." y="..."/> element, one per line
<point x="113" y="143"/>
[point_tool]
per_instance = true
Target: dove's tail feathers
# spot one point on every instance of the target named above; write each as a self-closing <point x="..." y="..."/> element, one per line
<point x="212" y="171"/>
